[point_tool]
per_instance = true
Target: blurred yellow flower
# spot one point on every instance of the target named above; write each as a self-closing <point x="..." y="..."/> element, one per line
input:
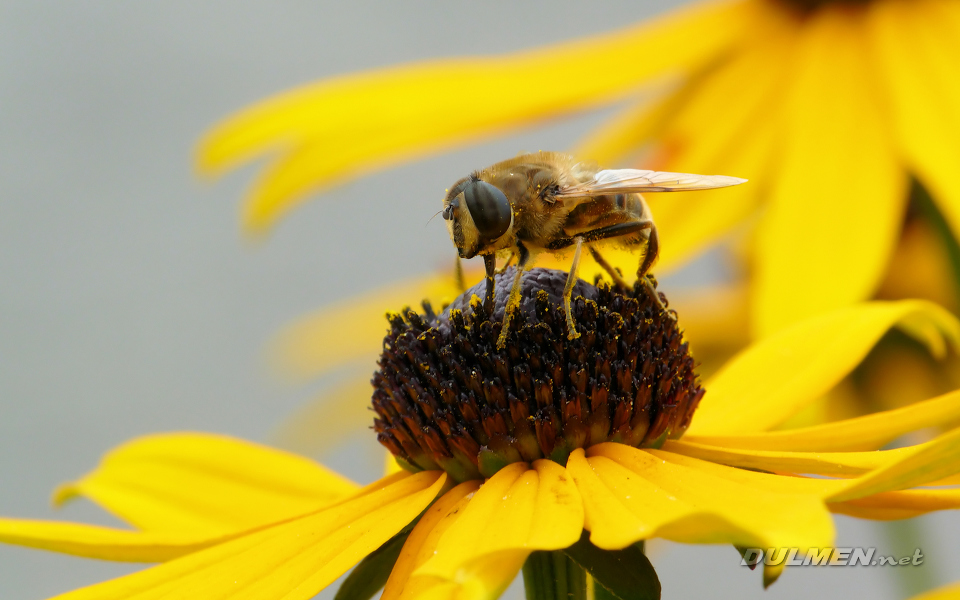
<point x="828" y="107"/>
<point x="230" y="519"/>
<point x="947" y="592"/>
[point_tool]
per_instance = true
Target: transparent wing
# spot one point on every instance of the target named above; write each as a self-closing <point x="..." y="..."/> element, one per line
<point x="628" y="181"/>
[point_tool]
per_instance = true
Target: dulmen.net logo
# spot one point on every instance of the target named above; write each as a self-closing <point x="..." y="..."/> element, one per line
<point x="831" y="557"/>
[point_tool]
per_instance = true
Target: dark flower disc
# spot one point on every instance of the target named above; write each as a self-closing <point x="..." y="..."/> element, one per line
<point x="447" y="398"/>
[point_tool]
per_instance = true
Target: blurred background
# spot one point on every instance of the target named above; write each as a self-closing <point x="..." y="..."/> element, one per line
<point x="130" y="303"/>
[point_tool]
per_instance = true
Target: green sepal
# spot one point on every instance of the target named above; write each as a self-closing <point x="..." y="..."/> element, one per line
<point x="374" y="570"/>
<point x="553" y="575"/>
<point x="659" y="442"/>
<point x="490" y="462"/>
<point x="627" y="574"/>
<point x="407" y="465"/>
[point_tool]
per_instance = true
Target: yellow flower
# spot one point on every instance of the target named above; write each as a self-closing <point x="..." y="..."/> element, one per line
<point x="828" y="107"/>
<point x="600" y="453"/>
<point x="947" y="592"/>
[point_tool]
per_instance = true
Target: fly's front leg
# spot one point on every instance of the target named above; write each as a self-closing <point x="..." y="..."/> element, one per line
<point x="490" y="265"/>
<point x="568" y="291"/>
<point x="513" y="302"/>
<point x="458" y="275"/>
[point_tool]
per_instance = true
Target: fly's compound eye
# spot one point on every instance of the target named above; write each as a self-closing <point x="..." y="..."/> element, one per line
<point x="489" y="208"/>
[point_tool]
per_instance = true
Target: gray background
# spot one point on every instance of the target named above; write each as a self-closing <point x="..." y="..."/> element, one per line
<point x="128" y="301"/>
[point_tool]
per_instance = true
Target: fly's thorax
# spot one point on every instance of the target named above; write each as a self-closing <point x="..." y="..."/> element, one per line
<point x="446" y="397"/>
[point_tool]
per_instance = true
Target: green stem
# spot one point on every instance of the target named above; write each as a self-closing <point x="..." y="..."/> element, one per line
<point x="553" y="576"/>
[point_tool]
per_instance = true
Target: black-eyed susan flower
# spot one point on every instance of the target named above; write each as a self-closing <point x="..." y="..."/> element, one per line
<point x="550" y="455"/>
<point x="829" y="107"/>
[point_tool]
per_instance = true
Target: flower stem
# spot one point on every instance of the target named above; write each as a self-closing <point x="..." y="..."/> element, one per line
<point x="553" y="576"/>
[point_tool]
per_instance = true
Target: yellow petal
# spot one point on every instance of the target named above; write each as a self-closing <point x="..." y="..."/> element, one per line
<point x="422" y="541"/>
<point x="292" y="561"/>
<point x="102" y="542"/>
<point x="932" y="461"/>
<point x="391" y="466"/>
<point x="917" y="56"/>
<point x="352" y="329"/>
<point x="868" y="432"/>
<point x="698" y="139"/>
<point x="765" y="27"/>
<point x="342" y="127"/>
<point x="206" y="484"/>
<point x="772" y="572"/>
<point x="483" y="579"/>
<point x="776" y="377"/>
<point x="714" y="318"/>
<point x="782" y="484"/>
<point x="811" y="463"/>
<point x="689" y="222"/>
<point x="898" y="505"/>
<point x="330" y="419"/>
<point x="839" y="196"/>
<point x="631" y="494"/>
<point x="947" y="592"/>
<point x="519" y="508"/>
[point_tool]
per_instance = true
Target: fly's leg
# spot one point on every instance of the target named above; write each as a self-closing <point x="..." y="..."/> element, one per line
<point x="620" y="230"/>
<point x="490" y="265"/>
<point x="614" y="274"/>
<point x="653" y="251"/>
<point x="568" y="291"/>
<point x="648" y="282"/>
<point x="458" y="275"/>
<point x="506" y="264"/>
<point x="513" y="302"/>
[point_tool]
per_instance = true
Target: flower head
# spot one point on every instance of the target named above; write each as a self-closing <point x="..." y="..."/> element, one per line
<point x="251" y="520"/>
<point x="446" y="397"/>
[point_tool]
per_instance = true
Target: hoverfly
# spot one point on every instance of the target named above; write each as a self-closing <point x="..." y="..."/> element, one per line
<point x="549" y="201"/>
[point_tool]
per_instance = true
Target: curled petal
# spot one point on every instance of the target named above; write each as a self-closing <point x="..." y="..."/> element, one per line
<point x="924" y="464"/>
<point x="906" y="504"/>
<point x="868" y="432"/>
<point x="811" y="463"/>
<point x="776" y="377"/>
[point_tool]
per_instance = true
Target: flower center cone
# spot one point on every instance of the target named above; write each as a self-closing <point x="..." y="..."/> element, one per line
<point x="447" y="398"/>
